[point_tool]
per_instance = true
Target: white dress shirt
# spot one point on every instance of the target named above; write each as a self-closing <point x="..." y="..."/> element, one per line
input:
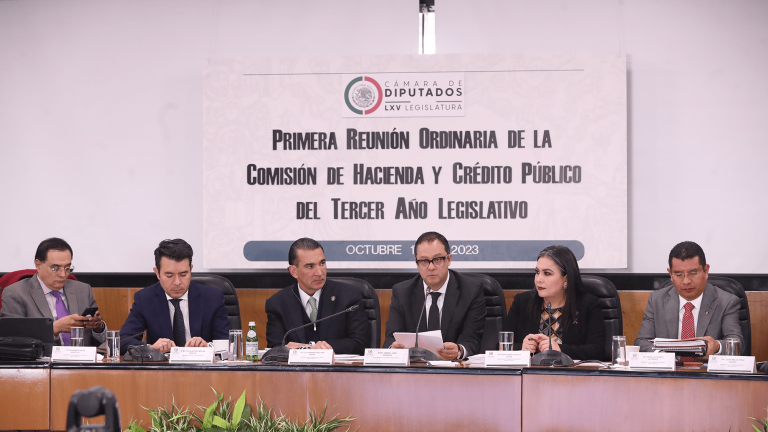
<point x="440" y="302"/>
<point x="184" y="306"/>
<point x="305" y="301"/>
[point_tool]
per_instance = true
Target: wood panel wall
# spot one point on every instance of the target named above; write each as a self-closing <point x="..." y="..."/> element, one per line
<point x="115" y="303"/>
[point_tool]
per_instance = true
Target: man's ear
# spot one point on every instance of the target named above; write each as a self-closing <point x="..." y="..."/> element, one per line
<point x="294" y="271"/>
<point x="157" y="273"/>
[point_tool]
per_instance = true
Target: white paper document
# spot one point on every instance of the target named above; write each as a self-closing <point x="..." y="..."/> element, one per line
<point x="431" y="340"/>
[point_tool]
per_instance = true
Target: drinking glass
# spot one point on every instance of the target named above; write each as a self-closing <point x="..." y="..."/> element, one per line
<point x="619" y="351"/>
<point x="506" y="341"/>
<point x="76" y="335"/>
<point x="113" y="345"/>
<point x="732" y="347"/>
<point x="236" y="345"/>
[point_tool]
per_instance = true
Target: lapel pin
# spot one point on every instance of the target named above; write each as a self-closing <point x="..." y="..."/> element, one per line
<point x="706" y="313"/>
<point x="333" y="298"/>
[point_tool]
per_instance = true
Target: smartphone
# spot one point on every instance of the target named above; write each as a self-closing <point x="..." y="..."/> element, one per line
<point x="89" y="312"/>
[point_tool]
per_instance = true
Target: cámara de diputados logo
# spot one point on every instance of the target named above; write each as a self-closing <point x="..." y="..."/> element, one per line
<point x="363" y="95"/>
<point x="429" y="94"/>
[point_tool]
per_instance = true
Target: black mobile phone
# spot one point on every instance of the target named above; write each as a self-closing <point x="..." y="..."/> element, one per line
<point x="89" y="312"/>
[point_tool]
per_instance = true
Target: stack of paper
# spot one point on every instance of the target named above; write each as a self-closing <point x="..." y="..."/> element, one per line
<point x="691" y="347"/>
<point x="476" y="359"/>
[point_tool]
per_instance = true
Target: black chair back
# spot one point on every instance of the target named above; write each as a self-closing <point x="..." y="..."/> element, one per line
<point x="230" y="296"/>
<point x="371" y="305"/>
<point x="495" y="310"/>
<point x="606" y="292"/>
<point x="731" y="286"/>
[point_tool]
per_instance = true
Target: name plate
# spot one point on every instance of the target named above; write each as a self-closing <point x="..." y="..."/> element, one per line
<point x="74" y="354"/>
<point x="386" y="357"/>
<point x="648" y="360"/>
<point x="310" y="357"/>
<point x="191" y="355"/>
<point x="508" y="358"/>
<point x="731" y="364"/>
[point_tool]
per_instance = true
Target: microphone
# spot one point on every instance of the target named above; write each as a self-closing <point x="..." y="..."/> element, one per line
<point x="551" y="357"/>
<point x="421" y="355"/>
<point x="280" y="353"/>
<point x="142" y="351"/>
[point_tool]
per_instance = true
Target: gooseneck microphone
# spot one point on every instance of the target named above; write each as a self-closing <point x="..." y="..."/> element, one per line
<point x="551" y="357"/>
<point x="421" y="355"/>
<point x="280" y="353"/>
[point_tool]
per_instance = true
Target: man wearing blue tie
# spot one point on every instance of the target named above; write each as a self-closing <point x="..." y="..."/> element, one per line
<point x="176" y="311"/>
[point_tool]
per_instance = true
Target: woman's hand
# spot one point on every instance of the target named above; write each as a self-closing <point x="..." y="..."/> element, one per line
<point x="544" y="344"/>
<point x="531" y="342"/>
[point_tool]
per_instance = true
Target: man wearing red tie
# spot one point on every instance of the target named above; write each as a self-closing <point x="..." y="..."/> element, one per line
<point x="694" y="308"/>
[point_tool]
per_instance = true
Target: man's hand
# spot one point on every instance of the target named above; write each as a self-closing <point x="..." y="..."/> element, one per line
<point x="295" y="345"/>
<point x="322" y="345"/>
<point x="95" y="322"/>
<point x="163" y="345"/>
<point x="62" y="325"/>
<point x="531" y="342"/>
<point x="544" y="344"/>
<point x="450" y="351"/>
<point x="713" y="346"/>
<point x="397" y="345"/>
<point x="196" y="342"/>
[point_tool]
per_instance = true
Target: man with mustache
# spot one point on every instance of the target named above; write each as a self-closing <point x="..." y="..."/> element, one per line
<point x="311" y="298"/>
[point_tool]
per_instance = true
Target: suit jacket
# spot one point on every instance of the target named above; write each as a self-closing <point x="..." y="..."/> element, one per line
<point x="150" y="312"/>
<point x="26" y="299"/>
<point x="582" y="340"/>
<point x="347" y="334"/>
<point x="718" y="316"/>
<point x="463" y="316"/>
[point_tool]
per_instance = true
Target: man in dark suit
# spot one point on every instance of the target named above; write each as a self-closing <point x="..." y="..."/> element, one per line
<point x="455" y="304"/>
<point x="175" y="311"/>
<point x="311" y="298"/>
<point x="50" y="293"/>
<point x="691" y="307"/>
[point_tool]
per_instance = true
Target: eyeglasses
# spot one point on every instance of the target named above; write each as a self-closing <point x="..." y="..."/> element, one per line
<point x="691" y="274"/>
<point x="438" y="261"/>
<point x="55" y="269"/>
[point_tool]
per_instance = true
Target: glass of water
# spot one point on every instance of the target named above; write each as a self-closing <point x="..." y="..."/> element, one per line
<point x="619" y="351"/>
<point x="732" y="347"/>
<point x="236" y="345"/>
<point x="76" y="334"/>
<point x="506" y="341"/>
<point x="113" y="345"/>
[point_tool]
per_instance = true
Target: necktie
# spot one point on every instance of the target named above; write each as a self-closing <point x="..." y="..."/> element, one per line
<point x="313" y="312"/>
<point x="688" y="330"/>
<point x="61" y="312"/>
<point x="179" y="332"/>
<point x="433" y="322"/>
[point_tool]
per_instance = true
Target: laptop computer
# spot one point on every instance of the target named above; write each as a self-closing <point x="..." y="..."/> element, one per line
<point x="37" y="328"/>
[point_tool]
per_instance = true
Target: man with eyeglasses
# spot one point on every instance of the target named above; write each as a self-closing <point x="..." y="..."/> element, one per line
<point x="453" y="303"/>
<point x="50" y="293"/>
<point x="690" y="308"/>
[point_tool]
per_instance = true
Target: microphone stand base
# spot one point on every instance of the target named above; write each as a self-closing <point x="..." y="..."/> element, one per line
<point x="276" y="355"/>
<point x="551" y="358"/>
<point x="421" y="355"/>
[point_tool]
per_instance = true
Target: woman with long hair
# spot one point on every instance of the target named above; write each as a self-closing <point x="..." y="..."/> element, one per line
<point x="577" y="325"/>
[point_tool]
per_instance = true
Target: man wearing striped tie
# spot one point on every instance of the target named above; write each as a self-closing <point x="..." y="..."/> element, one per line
<point x="176" y="311"/>
<point x="51" y="293"/>
<point x="691" y="307"/>
<point x="312" y="298"/>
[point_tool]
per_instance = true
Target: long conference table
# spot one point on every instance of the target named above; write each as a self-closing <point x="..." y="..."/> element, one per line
<point x="35" y="395"/>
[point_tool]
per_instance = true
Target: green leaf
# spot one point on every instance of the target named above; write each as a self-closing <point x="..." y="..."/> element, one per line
<point x="220" y="422"/>
<point x="238" y="412"/>
<point x="208" y="418"/>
